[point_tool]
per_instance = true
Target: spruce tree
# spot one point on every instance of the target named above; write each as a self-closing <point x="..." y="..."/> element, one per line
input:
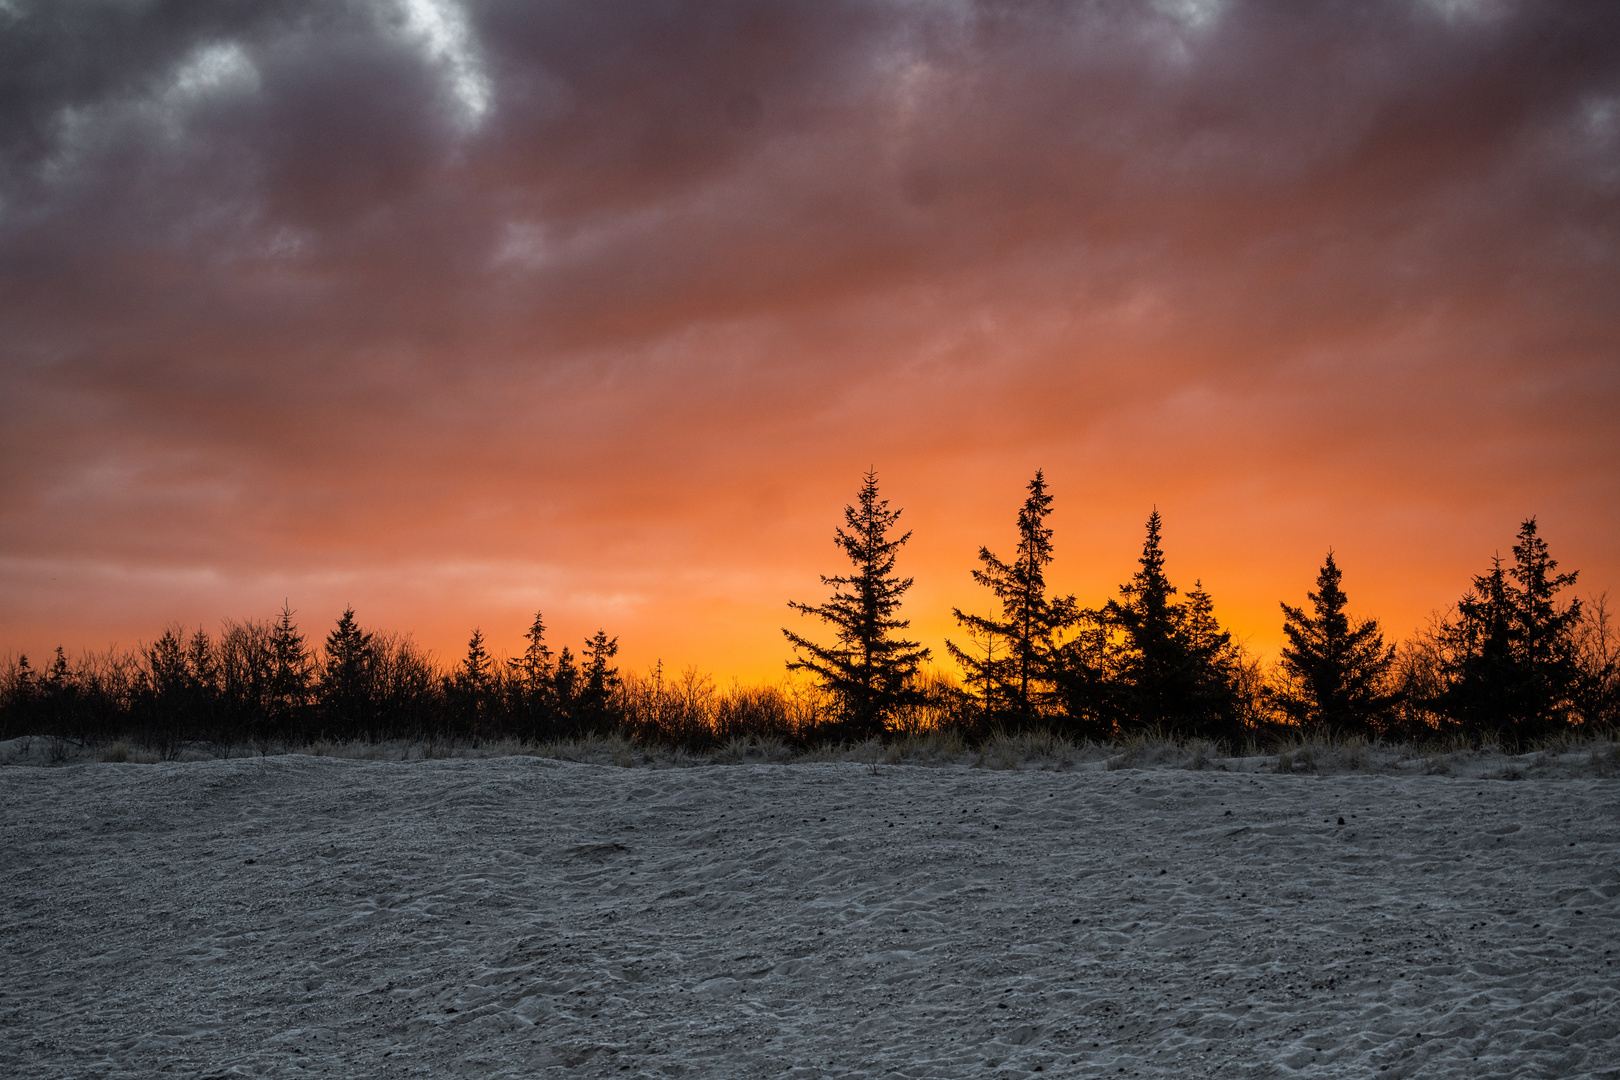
<point x="1339" y="667"/>
<point x="1547" y="647"/>
<point x="533" y="673"/>
<point x="62" y="690"/>
<point x="203" y="683"/>
<point x="471" y="685"/>
<point x="291" y="672"/>
<point x="1020" y="684"/>
<point x="167" y="674"/>
<point x="565" y="682"/>
<point x="986" y="669"/>
<point x="1149" y="668"/>
<point x="24" y="681"/>
<point x="1175" y="670"/>
<point x="1479" y="669"/>
<point x="598" y="682"/>
<point x="346" y="680"/>
<point x="1511" y="667"/>
<point x="870" y="669"/>
<point x="59" y="676"/>
<point x="167" y="692"/>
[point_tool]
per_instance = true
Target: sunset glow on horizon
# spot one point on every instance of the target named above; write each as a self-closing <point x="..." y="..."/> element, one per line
<point x="456" y="311"/>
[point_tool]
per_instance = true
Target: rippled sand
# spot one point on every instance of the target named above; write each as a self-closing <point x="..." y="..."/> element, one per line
<point x="298" y="915"/>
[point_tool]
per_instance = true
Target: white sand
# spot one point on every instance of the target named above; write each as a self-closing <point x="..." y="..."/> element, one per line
<point x="507" y="917"/>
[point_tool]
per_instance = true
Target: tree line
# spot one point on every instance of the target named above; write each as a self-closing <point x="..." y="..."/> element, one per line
<point x="1512" y="661"/>
<point x="262" y="682"/>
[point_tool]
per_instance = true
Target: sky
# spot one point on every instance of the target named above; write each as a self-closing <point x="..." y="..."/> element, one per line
<point x="459" y="310"/>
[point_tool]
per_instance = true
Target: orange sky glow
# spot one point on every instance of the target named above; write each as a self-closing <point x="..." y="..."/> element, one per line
<point x="456" y="311"/>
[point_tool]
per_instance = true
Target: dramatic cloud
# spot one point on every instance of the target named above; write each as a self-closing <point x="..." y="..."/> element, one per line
<point x="456" y="310"/>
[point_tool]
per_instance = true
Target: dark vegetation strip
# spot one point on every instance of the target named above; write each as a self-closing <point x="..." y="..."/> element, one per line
<point x="1511" y="664"/>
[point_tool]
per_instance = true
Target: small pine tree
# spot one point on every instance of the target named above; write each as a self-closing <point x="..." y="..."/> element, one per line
<point x="534" y="667"/>
<point x="565" y="684"/>
<point x="202" y="659"/>
<point x="167" y="672"/>
<point x="987" y="674"/>
<point x="59" y="676"/>
<point x="470" y="686"/>
<point x="1031" y="624"/>
<point x="291" y="675"/>
<point x="203" y="681"/>
<point x="61" y="695"/>
<point x="532" y="682"/>
<point x="25" y="680"/>
<point x="1340" y="668"/>
<point x="870" y="670"/>
<point x="346" y="679"/>
<point x="599" y="682"/>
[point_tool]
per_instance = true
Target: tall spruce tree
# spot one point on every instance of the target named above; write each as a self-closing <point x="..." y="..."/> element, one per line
<point x="291" y="673"/>
<point x="1019" y="685"/>
<point x="1176" y="668"/>
<point x="1511" y="662"/>
<point x="1547" y="647"/>
<point x="1339" y="667"/>
<point x="533" y="680"/>
<point x="346" y="679"/>
<point x="1479" y="669"/>
<point x="870" y="670"/>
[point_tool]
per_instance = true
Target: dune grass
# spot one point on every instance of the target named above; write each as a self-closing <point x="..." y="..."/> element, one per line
<point x="1594" y="755"/>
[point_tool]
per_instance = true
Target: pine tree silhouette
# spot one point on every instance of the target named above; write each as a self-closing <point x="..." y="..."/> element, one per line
<point x="1511" y="657"/>
<point x="1176" y="669"/>
<point x="565" y="686"/>
<point x="1480" y="670"/>
<point x="1340" y="668"/>
<point x="533" y="681"/>
<point x="291" y="672"/>
<point x="168" y="676"/>
<point x="25" y="680"/>
<point x="59" y="675"/>
<point x="598" y="682"/>
<point x="1547" y="649"/>
<point x="870" y="670"/>
<point x="471" y="685"/>
<point x="60" y="696"/>
<point x="346" y="680"/>
<point x="1019" y="685"/>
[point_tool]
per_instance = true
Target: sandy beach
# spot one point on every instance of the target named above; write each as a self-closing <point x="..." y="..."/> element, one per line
<point x="298" y="916"/>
